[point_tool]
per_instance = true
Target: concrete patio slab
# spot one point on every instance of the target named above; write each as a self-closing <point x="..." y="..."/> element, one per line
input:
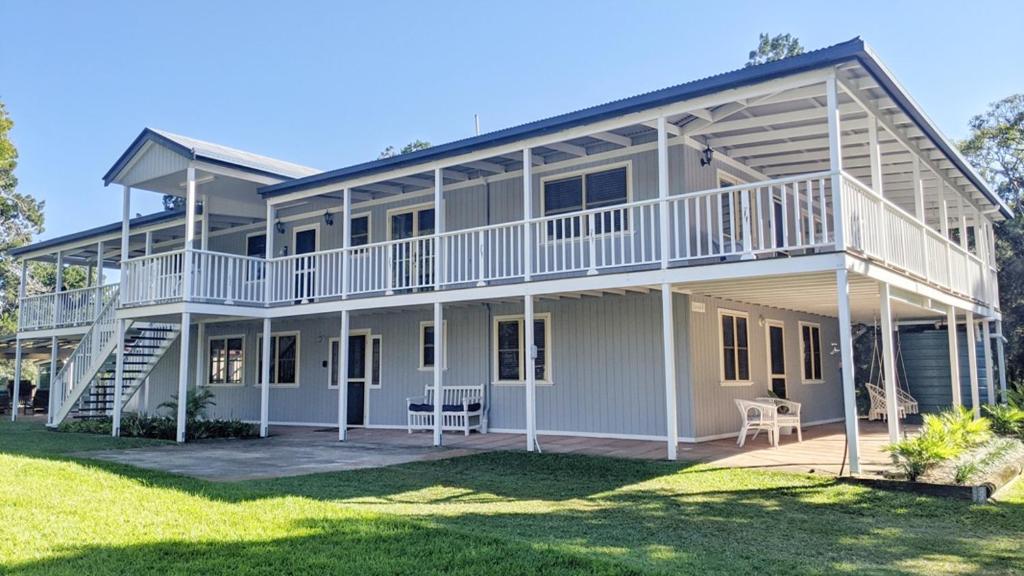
<point x="291" y="451"/>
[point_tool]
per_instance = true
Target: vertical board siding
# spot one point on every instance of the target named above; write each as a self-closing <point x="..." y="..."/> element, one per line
<point x="607" y="379"/>
<point x="925" y="368"/>
<point x="715" y="411"/>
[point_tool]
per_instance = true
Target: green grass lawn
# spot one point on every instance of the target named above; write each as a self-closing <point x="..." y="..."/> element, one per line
<point x="499" y="513"/>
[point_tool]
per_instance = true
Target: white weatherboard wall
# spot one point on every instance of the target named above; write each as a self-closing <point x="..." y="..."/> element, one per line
<point x="606" y="364"/>
<point x="714" y="411"/>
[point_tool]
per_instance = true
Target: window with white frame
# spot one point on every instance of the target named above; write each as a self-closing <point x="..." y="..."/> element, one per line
<point x="427" y="345"/>
<point x="360" y="233"/>
<point x="735" y="347"/>
<point x="284" y="359"/>
<point x="509" y="345"/>
<point x="376" y="354"/>
<point x="583" y="191"/>
<point x="225" y="360"/>
<point x="810" y="351"/>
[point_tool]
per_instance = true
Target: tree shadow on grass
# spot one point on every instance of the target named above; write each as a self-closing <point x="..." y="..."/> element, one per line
<point x="358" y="546"/>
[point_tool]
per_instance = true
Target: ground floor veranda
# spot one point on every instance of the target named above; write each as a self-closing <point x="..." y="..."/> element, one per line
<point x="297" y="450"/>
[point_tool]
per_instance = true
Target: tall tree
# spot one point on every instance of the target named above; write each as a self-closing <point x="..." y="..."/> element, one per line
<point x="995" y="148"/>
<point x="21" y="216"/>
<point x="410" y="147"/>
<point x="770" y="49"/>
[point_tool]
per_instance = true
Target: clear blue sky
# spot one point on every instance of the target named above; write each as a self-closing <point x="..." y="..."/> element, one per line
<point x="328" y="84"/>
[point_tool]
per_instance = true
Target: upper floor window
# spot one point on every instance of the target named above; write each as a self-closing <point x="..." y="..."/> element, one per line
<point x="360" y="234"/>
<point x="256" y="245"/>
<point x="589" y="190"/>
<point x="735" y="347"/>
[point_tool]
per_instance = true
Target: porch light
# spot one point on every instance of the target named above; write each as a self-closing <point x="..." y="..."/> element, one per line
<point x="279" y="226"/>
<point x="328" y="218"/>
<point x="706" y="155"/>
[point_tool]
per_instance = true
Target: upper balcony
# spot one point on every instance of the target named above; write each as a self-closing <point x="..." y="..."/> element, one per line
<point x="776" y="218"/>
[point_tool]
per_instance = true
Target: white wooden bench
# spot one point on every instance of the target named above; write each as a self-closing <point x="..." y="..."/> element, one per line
<point x="462" y="409"/>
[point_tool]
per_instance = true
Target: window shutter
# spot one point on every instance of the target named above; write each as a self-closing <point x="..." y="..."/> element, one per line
<point x="561" y="196"/>
<point x="606" y="188"/>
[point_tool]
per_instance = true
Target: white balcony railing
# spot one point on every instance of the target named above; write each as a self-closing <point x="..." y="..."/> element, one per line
<point x="758" y="220"/>
<point x="885" y="232"/>
<point x="67" y="309"/>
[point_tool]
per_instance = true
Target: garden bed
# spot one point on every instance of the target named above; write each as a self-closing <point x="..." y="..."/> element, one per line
<point x="975" y="475"/>
<point x="957" y="455"/>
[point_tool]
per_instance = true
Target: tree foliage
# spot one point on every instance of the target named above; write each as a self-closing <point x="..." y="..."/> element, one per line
<point x="413" y="146"/>
<point x="21" y="216"/>
<point x="995" y="148"/>
<point x="770" y="49"/>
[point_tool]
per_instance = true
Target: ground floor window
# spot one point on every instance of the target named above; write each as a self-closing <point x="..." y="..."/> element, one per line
<point x="284" y="359"/>
<point x="509" y="344"/>
<point x="427" y="345"/>
<point x="225" y="360"/>
<point x="735" y="347"/>
<point x="810" y="350"/>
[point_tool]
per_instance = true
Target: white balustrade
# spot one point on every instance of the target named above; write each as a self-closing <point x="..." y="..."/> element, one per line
<point x="757" y="220"/>
<point x="66" y="309"/>
<point x="153" y="279"/>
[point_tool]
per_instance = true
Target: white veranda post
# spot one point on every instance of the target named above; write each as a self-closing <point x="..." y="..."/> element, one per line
<point x="669" y="343"/>
<point x="343" y="377"/>
<point x="265" y="379"/>
<point x="439" y="356"/>
<point x="115" y="417"/>
<point x="846" y="352"/>
<point x="183" y="365"/>
<point x="53" y="403"/>
<point x="16" y="387"/>
<point x="530" y="377"/>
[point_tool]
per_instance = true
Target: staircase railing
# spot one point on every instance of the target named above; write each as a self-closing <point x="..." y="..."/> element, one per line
<point x="85" y="361"/>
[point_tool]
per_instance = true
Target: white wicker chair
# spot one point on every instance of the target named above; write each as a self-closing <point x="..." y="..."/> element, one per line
<point x="758" y="416"/>
<point x="789" y="418"/>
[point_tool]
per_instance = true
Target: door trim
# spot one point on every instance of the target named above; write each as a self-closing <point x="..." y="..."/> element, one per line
<point x="768" y="324"/>
<point x="367" y="333"/>
<point x="304" y="228"/>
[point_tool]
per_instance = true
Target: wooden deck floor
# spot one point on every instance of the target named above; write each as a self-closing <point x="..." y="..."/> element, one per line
<point x="822" y="450"/>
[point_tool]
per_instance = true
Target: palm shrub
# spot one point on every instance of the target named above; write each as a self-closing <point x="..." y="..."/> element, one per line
<point x="1007" y="419"/>
<point x="196" y="403"/>
<point x="919" y="454"/>
<point x="944" y="436"/>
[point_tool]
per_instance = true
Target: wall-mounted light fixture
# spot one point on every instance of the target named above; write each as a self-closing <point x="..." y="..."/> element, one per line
<point x="706" y="155"/>
<point x="328" y="218"/>
<point x="279" y="226"/>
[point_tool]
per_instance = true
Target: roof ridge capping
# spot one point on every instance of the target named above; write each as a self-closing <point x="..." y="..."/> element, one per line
<point x="853" y="49"/>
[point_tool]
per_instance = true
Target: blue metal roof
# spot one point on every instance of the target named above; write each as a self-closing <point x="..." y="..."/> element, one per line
<point x="100" y="231"/>
<point x="855" y="49"/>
<point x="208" y="152"/>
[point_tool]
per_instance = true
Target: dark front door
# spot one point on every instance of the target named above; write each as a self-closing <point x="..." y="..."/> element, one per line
<point x="305" y="267"/>
<point x="777" y="359"/>
<point x="357" y="379"/>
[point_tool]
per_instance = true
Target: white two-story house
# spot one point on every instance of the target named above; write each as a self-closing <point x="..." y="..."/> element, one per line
<point x="627" y="270"/>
